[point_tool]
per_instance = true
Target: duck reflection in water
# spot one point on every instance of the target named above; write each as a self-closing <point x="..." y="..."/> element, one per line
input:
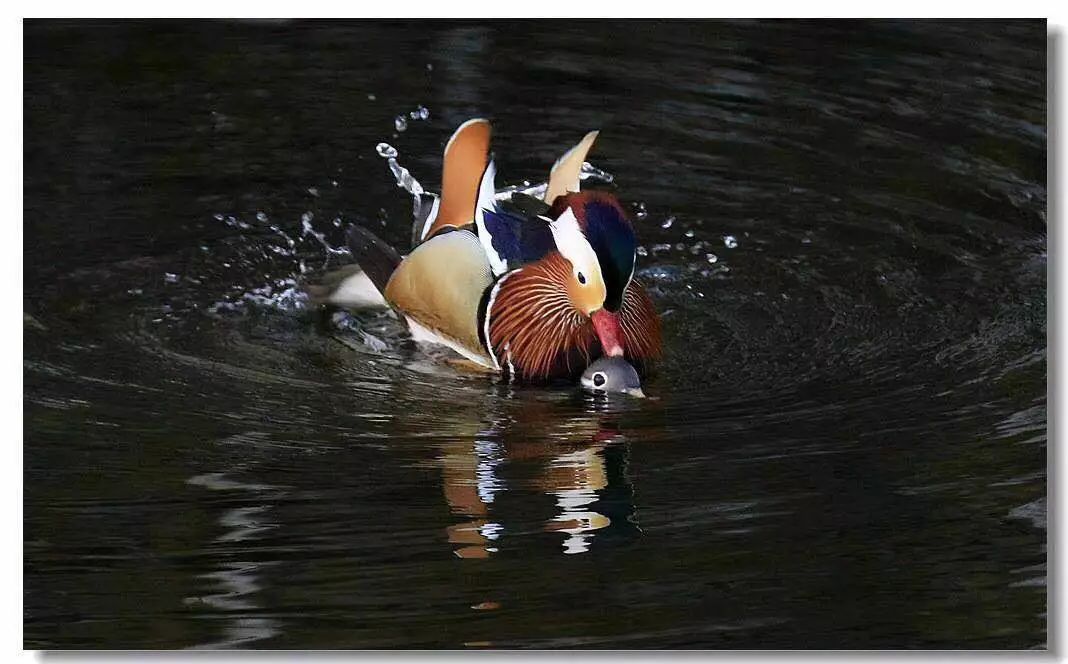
<point x="579" y="461"/>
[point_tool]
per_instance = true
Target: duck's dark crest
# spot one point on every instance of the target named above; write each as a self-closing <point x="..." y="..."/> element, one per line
<point x="611" y="235"/>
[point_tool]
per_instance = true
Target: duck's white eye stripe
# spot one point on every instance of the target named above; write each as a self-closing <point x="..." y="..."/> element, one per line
<point x="571" y="243"/>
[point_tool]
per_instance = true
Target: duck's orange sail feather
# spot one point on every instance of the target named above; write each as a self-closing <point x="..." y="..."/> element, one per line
<point x="464" y="163"/>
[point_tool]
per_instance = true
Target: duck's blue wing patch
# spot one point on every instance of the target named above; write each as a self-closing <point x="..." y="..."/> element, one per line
<point x="517" y="239"/>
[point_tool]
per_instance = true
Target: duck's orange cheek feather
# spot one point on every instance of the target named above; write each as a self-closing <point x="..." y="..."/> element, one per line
<point x="589" y="297"/>
<point x="533" y="327"/>
<point x="542" y="347"/>
<point x="534" y="330"/>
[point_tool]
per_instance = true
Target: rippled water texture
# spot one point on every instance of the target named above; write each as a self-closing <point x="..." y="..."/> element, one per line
<point x="843" y="224"/>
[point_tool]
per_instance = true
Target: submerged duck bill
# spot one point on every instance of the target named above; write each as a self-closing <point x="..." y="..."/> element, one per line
<point x="612" y="375"/>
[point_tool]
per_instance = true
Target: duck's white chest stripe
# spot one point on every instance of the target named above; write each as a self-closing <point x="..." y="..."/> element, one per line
<point x="489" y="313"/>
<point x="508" y="359"/>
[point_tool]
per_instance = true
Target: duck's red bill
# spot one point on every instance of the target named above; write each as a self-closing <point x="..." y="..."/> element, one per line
<point x="606" y="323"/>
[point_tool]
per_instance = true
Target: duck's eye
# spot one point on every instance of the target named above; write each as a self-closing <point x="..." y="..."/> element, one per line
<point x="599" y="379"/>
<point x="582" y="278"/>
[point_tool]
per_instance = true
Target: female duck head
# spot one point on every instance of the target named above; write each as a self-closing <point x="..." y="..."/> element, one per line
<point x="612" y="375"/>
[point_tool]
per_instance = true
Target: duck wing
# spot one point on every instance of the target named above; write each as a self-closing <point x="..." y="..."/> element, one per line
<point x="564" y="176"/>
<point x="515" y="230"/>
<point x="515" y="239"/>
<point x="439" y="289"/>
<point x="465" y="168"/>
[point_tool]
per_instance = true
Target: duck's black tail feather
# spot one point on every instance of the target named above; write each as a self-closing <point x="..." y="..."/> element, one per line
<point x="359" y="285"/>
<point x="377" y="258"/>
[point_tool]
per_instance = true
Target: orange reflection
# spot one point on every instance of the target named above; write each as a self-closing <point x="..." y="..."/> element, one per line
<point x="566" y="457"/>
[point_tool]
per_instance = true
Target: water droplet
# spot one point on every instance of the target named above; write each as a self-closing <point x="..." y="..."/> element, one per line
<point x="420" y="113"/>
<point x="680" y="247"/>
<point x="429" y="67"/>
<point x="667" y="222"/>
<point x="170" y="278"/>
<point x="337" y="222"/>
<point x="371" y="96"/>
<point x="218" y="216"/>
<point x="405" y="180"/>
<point x="642" y="251"/>
<point x="314" y="191"/>
<point x="657" y="248"/>
<point x="261" y="216"/>
<point x="306" y="218"/>
<point x="639" y="210"/>
<point x="689" y="233"/>
<point x="386" y="151"/>
<point x="588" y="170"/>
<point x="400" y="123"/>
<point x="729" y="241"/>
<point x="712" y="258"/>
<point x="333" y="182"/>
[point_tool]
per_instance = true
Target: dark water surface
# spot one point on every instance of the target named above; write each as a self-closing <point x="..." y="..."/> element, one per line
<point x="847" y="444"/>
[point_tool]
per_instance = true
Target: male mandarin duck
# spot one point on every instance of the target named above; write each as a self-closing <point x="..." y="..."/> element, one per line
<point x="537" y="289"/>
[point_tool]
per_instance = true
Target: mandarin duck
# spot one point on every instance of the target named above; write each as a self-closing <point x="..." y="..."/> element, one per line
<point x="536" y="288"/>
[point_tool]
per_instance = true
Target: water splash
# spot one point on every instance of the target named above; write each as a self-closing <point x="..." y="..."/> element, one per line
<point x="420" y="114"/>
<point x="526" y="188"/>
<point x="405" y="180"/>
<point x="589" y="171"/>
<point x="308" y="230"/>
